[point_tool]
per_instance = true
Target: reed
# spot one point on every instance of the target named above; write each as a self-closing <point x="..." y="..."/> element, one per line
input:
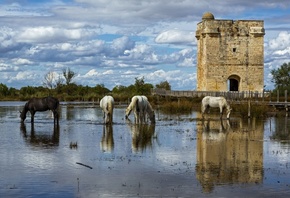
<point x="176" y="107"/>
<point x="256" y="110"/>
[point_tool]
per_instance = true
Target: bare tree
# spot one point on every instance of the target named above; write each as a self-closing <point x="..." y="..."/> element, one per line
<point x="50" y="80"/>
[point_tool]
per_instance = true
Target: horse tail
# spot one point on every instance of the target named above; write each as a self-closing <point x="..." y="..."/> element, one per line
<point x="137" y="105"/>
<point x="110" y="106"/>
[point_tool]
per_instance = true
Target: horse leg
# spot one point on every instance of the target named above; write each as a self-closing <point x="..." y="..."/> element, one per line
<point x="142" y="117"/>
<point x="136" y="117"/>
<point x="202" y="111"/>
<point x="32" y="116"/>
<point x="221" y="112"/>
<point x="108" y="118"/>
<point x="55" y="117"/>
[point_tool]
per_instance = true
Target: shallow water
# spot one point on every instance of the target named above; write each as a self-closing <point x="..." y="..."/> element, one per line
<point x="178" y="157"/>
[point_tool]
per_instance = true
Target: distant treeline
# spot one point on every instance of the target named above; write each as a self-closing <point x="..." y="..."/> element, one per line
<point x="74" y="92"/>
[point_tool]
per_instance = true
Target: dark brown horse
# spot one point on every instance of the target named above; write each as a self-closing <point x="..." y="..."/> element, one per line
<point x="41" y="104"/>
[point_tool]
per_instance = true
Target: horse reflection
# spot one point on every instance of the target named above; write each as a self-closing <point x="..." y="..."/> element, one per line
<point x="40" y="139"/>
<point x="142" y="135"/>
<point x="107" y="142"/>
<point x="229" y="155"/>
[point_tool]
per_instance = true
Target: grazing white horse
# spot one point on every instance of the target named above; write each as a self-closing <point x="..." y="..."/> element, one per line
<point x="107" y="105"/>
<point x="140" y="105"/>
<point x="220" y="102"/>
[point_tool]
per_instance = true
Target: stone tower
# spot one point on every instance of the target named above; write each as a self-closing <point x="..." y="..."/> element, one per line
<point x="230" y="54"/>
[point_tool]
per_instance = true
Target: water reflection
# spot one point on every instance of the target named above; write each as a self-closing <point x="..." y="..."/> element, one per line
<point x="281" y="132"/>
<point x="142" y="135"/>
<point x="107" y="142"/>
<point x="37" y="138"/>
<point x="79" y="112"/>
<point x="229" y="152"/>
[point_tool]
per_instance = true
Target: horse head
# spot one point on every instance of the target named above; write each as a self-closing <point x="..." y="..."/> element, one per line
<point x="127" y="113"/>
<point x="152" y="117"/>
<point x="22" y="115"/>
<point x="229" y="109"/>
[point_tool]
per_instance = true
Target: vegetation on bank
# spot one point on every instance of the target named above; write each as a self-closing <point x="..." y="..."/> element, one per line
<point x="72" y="92"/>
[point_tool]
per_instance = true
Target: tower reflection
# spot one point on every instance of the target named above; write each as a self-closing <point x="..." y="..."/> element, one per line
<point x="229" y="152"/>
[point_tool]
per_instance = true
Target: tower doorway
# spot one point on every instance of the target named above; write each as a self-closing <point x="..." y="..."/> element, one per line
<point x="233" y="83"/>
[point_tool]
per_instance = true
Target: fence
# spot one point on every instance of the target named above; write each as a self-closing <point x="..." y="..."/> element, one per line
<point x="230" y="95"/>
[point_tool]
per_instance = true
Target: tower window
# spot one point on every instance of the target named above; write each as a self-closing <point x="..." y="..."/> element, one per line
<point x="234" y="49"/>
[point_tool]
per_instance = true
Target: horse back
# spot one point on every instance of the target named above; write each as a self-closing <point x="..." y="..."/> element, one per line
<point x="42" y="104"/>
<point x="214" y="101"/>
<point x="107" y="103"/>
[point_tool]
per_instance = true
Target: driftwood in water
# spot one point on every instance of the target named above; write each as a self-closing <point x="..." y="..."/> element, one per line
<point x="84" y="165"/>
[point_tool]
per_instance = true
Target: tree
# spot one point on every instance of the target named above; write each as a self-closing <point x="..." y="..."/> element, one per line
<point x="281" y="77"/>
<point x="50" y="80"/>
<point x="68" y="75"/>
<point x="4" y="91"/>
<point x="101" y="89"/>
<point x="163" y="85"/>
<point x="142" y="88"/>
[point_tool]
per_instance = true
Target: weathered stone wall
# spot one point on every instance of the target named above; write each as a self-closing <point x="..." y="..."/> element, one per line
<point x="227" y="50"/>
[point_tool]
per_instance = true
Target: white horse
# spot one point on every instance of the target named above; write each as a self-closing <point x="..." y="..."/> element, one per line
<point x="220" y="102"/>
<point x="107" y="105"/>
<point x="140" y="105"/>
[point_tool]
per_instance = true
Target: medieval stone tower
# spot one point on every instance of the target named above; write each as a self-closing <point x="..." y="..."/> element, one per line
<point x="230" y="54"/>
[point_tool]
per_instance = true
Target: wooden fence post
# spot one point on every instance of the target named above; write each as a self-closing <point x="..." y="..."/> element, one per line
<point x="249" y="105"/>
<point x="286" y="105"/>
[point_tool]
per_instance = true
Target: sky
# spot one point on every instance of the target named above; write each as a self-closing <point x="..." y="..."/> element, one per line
<point x="114" y="42"/>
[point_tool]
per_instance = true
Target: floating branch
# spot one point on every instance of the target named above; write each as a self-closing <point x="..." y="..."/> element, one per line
<point x="84" y="165"/>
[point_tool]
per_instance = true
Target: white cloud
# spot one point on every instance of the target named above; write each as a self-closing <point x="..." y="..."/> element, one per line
<point x="26" y="75"/>
<point x="108" y="72"/>
<point x="139" y="51"/>
<point x="281" y="42"/>
<point x="187" y="62"/>
<point x="176" y="37"/>
<point x="51" y="34"/>
<point x="7" y="67"/>
<point x="21" y="61"/>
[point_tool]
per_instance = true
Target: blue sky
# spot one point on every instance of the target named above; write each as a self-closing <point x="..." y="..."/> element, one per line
<point x="114" y="42"/>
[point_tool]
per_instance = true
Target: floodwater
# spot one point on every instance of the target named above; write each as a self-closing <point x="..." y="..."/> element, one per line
<point x="180" y="156"/>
